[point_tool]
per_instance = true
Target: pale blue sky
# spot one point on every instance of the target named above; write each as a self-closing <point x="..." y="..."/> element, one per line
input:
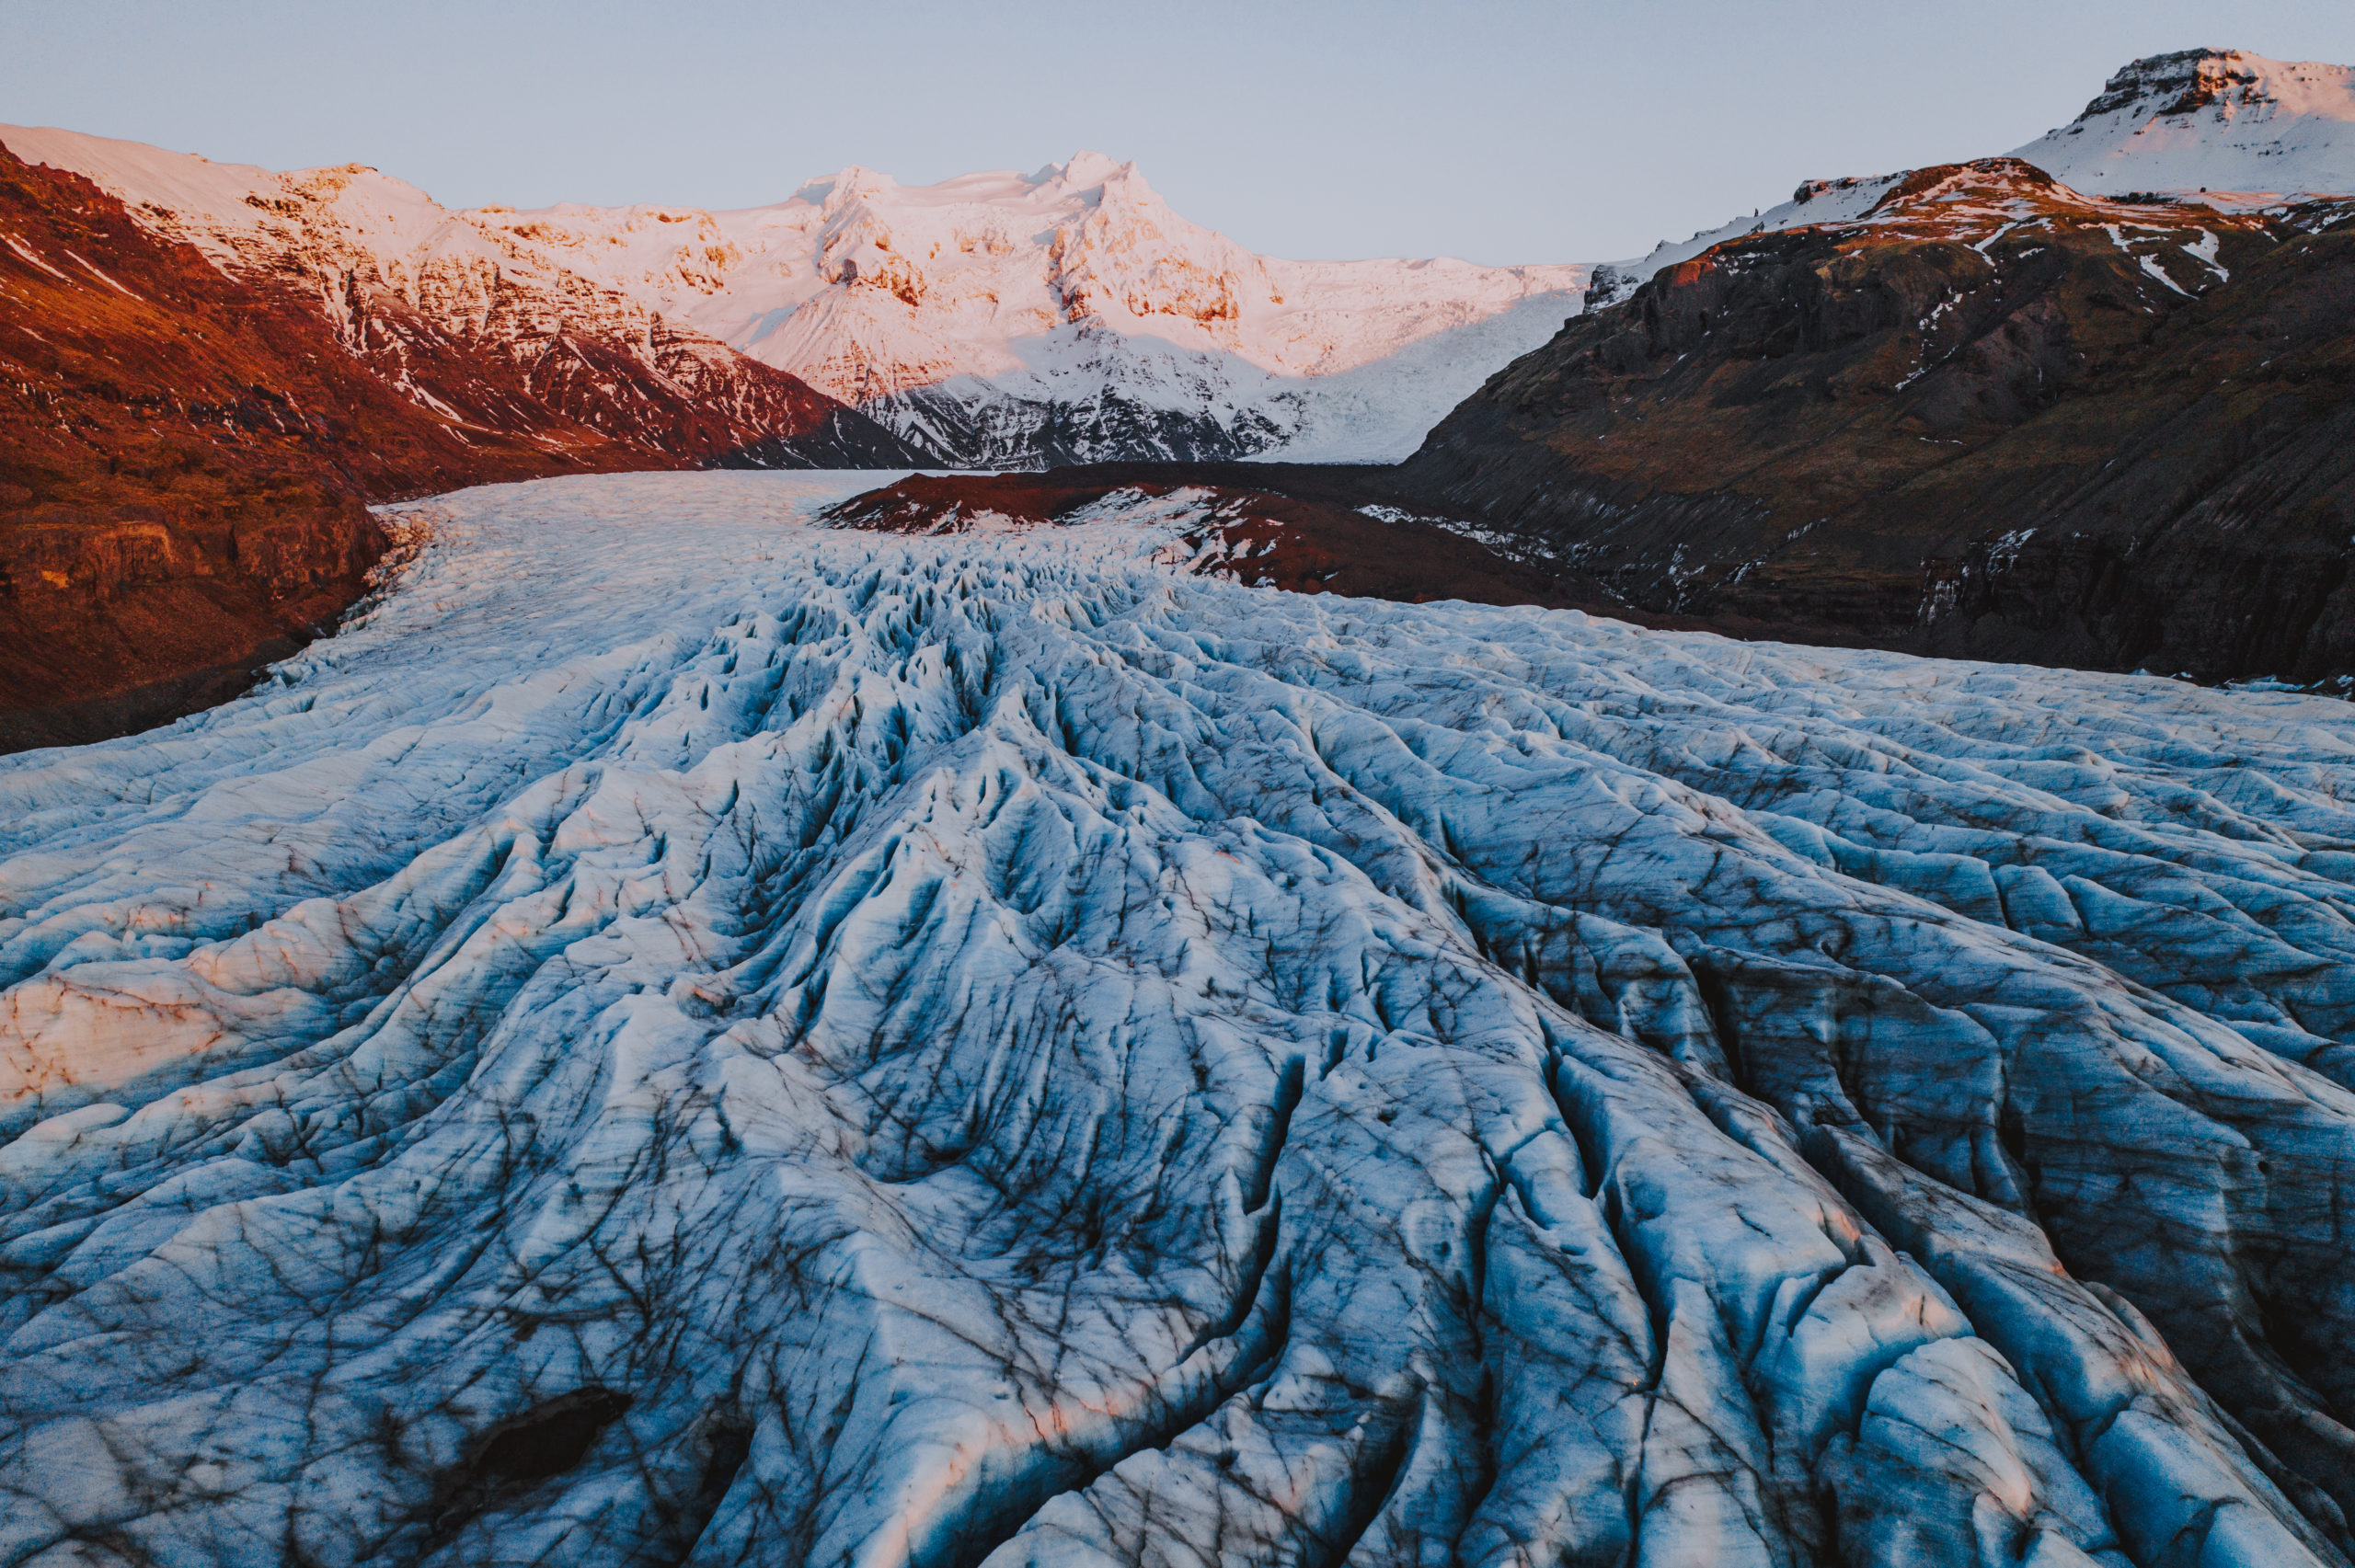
<point x="1495" y="130"/>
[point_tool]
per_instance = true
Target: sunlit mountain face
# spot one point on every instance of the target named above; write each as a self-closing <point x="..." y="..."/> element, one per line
<point x="994" y="319"/>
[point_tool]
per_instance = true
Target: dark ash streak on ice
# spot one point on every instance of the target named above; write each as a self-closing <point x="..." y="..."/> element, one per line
<point x="684" y="1038"/>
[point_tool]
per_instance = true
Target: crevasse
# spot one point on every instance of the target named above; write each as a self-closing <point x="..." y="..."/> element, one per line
<point x="680" y="1036"/>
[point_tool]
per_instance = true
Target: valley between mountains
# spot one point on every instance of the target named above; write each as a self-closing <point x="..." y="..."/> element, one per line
<point x="955" y="877"/>
<point x="2079" y="406"/>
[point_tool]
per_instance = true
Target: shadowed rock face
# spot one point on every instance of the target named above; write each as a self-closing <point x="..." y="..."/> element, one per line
<point x="185" y="455"/>
<point x="138" y="614"/>
<point x="1991" y="417"/>
<point x="685" y="1037"/>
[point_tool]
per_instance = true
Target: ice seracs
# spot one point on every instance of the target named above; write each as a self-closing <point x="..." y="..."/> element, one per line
<point x="684" y="1038"/>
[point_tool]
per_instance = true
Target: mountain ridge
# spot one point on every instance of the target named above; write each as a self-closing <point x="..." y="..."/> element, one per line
<point x="948" y="312"/>
<point x="2185" y="97"/>
<point x="2207" y="119"/>
<point x="186" y="452"/>
<point x="1986" y="416"/>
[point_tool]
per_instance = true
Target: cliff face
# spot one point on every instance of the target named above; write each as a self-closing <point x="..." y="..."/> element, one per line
<point x="131" y="618"/>
<point x="1991" y="417"/>
<point x="185" y="452"/>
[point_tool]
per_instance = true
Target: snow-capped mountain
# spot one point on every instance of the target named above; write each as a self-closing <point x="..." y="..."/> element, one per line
<point x="1070" y="312"/>
<point x="2235" y="128"/>
<point x="1999" y="451"/>
<point x="1003" y="318"/>
<point x="2219" y="120"/>
<point x="2037" y="424"/>
<point x="484" y="336"/>
<point x="683" y="1037"/>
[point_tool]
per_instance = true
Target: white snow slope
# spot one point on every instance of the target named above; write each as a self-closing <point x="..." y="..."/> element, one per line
<point x="2219" y="120"/>
<point x="1815" y="202"/>
<point x="683" y="1037"/>
<point x="1076" y="284"/>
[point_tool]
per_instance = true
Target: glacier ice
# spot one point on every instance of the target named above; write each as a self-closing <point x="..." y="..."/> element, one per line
<point x="682" y="1036"/>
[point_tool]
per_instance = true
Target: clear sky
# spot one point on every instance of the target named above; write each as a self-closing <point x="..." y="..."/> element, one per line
<point x="1495" y="130"/>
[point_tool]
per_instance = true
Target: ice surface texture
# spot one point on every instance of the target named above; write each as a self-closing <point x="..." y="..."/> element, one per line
<point x="680" y="1037"/>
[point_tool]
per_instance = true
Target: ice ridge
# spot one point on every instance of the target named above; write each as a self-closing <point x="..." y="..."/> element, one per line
<point x="681" y="1036"/>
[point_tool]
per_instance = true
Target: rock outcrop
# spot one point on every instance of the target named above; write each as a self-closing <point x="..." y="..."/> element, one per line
<point x="1299" y="529"/>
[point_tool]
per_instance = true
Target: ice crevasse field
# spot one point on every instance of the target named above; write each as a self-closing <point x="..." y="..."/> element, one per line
<point x="684" y="1035"/>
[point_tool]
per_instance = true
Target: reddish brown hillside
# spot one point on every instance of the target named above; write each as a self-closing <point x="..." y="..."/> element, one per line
<point x="185" y="456"/>
<point x="182" y="460"/>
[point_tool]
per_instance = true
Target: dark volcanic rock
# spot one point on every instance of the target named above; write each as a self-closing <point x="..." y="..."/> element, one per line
<point x="1301" y="532"/>
<point x="1994" y="417"/>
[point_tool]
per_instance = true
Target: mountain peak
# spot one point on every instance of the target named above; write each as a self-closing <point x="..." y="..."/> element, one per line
<point x="852" y="182"/>
<point x="2215" y="120"/>
<point x="1081" y="170"/>
<point x="971" y="307"/>
<point x="2188" y="80"/>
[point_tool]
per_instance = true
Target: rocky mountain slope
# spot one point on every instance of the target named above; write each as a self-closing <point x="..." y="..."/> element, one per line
<point x="1966" y="409"/>
<point x="686" y="1037"/>
<point x="2229" y="128"/>
<point x="466" y="328"/>
<point x="182" y="463"/>
<point x="996" y="319"/>
<point x="185" y="447"/>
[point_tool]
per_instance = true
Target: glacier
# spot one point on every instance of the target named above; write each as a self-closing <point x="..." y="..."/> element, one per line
<point x="687" y="1036"/>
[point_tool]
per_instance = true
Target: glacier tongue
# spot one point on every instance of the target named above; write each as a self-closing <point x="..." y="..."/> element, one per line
<point x="683" y="1037"/>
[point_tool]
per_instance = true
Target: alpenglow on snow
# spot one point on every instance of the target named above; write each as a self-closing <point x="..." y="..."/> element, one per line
<point x="1000" y="319"/>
